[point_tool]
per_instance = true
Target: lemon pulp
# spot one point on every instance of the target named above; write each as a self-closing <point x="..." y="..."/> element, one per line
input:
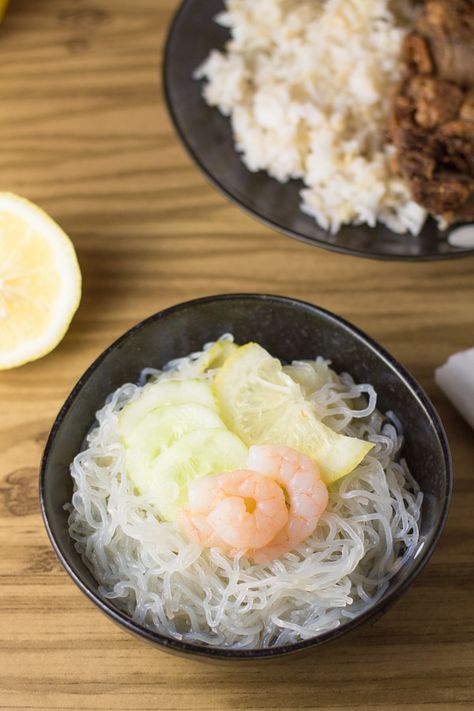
<point x="40" y="282"/>
<point x="263" y="405"/>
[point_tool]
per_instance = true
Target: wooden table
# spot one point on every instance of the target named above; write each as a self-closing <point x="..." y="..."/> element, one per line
<point x="85" y="133"/>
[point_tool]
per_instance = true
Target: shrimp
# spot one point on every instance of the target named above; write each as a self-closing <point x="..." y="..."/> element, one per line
<point x="235" y="510"/>
<point x="307" y="495"/>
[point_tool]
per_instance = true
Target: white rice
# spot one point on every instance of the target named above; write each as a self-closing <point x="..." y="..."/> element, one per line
<point x="166" y="583"/>
<point x="306" y="86"/>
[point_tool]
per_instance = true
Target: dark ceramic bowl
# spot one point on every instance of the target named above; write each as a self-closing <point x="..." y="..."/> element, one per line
<point x="207" y="136"/>
<point x="289" y="329"/>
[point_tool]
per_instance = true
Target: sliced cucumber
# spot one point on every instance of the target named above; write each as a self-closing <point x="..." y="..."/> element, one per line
<point x="158" y="430"/>
<point x="194" y="455"/>
<point x="165" y="392"/>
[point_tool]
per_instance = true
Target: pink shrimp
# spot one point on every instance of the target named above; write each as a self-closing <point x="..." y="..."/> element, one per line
<point x="234" y="510"/>
<point x="246" y="509"/>
<point x="306" y="492"/>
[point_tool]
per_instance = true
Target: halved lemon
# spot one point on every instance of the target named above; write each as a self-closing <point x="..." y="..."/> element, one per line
<point x="263" y="405"/>
<point x="40" y="282"/>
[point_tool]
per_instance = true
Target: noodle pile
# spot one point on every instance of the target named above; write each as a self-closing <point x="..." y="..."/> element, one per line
<point x="167" y="583"/>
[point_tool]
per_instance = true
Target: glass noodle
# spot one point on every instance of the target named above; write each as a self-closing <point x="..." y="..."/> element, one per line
<point x="165" y="582"/>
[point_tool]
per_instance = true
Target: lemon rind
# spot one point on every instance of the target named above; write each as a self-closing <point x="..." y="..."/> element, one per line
<point x="66" y="267"/>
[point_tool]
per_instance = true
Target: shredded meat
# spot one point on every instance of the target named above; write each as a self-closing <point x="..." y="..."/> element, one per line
<point x="447" y="19"/>
<point x="432" y="109"/>
<point x="417" y="55"/>
<point x="467" y="109"/>
<point x="435" y="101"/>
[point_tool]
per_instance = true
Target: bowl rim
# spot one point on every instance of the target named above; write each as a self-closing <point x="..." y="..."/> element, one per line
<point x="190" y="648"/>
<point x="254" y="213"/>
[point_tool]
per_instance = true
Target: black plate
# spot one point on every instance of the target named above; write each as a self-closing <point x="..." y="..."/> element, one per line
<point x="289" y="329"/>
<point x="207" y="136"/>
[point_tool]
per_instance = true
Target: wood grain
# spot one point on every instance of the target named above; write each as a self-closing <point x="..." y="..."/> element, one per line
<point x="84" y="132"/>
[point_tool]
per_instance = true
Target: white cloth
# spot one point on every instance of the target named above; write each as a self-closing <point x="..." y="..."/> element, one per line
<point x="456" y="379"/>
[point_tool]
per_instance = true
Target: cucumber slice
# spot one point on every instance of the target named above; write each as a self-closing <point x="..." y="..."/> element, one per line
<point x="165" y="392"/>
<point x="193" y="455"/>
<point x="158" y="430"/>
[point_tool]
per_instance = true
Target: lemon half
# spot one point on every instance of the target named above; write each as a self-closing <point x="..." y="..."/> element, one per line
<point x="40" y="282"/>
<point x="263" y="405"/>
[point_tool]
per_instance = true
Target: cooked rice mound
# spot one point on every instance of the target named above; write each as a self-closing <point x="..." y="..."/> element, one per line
<point x="306" y="86"/>
<point x="166" y="583"/>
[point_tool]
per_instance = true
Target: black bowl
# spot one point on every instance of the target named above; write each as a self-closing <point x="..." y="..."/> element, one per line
<point x="207" y="136"/>
<point x="289" y="329"/>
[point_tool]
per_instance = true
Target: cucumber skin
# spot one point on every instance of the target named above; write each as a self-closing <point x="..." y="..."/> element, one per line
<point x="194" y="455"/>
<point x="164" y="392"/>
<point x="159" y="430"/>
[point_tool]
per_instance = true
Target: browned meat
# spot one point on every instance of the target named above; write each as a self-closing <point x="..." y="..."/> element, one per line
<point x="454" y="60"/>
<point x="447" y="19"/>
<point x="457" y="139"/>
<point x="418" y="164"/>
<point x="467" y="109"/>
<point x="416" y="54"/>
<point x="448" y="29"/>
<point x="466" y="212"/>
<point x="435" y="101"/>
<point x="445" y="190"/>
<point x="432" y="109"/>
